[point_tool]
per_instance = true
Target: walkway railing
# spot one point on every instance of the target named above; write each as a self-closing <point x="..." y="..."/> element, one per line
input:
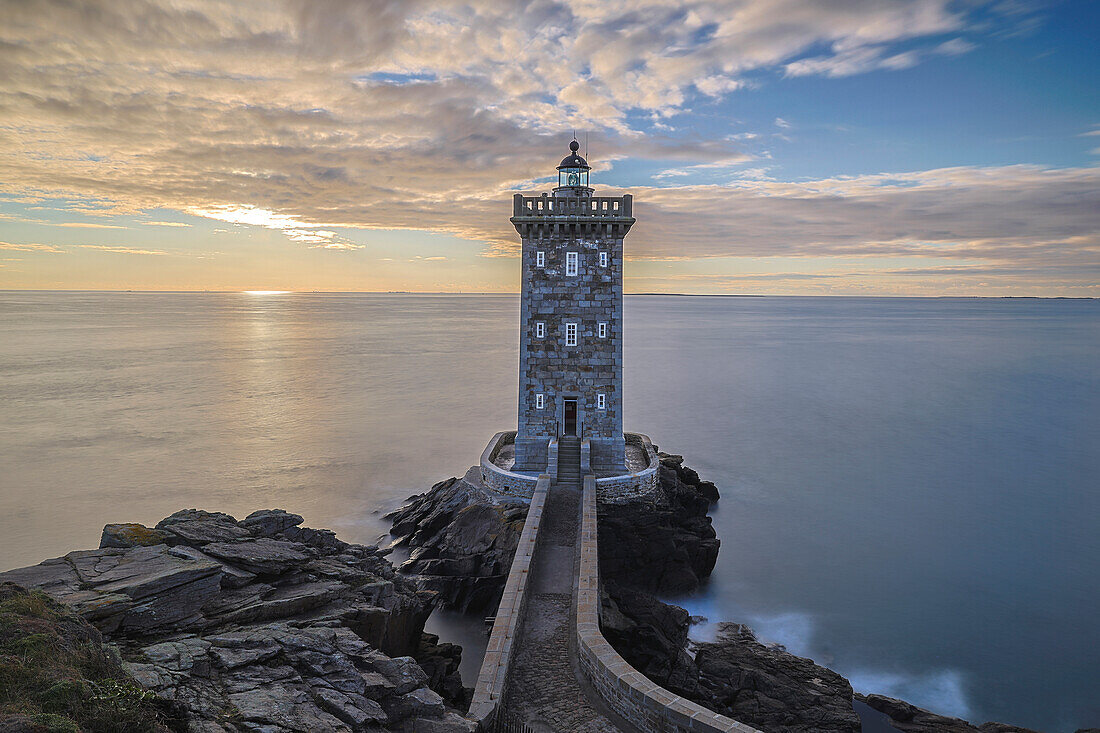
<point x="645" y="705"/>
<point x="493" y="677"/>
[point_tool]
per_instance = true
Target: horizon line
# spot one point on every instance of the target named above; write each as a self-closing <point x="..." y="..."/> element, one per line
<point x="516" y="293"/>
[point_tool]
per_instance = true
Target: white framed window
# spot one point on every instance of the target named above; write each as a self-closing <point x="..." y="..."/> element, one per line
<point x="601" y="330"/>
<point x="571" y="259"/>
<point x="540" y="259"/>
<point x="540" y="330"/>
<point x="601" y="401"/>
<point x="540" y="401"/>
<point x="603" y="259"/>
<point x="570" y="334"/>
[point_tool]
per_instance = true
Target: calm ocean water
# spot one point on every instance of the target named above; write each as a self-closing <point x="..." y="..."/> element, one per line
<point x="911" y="487"/>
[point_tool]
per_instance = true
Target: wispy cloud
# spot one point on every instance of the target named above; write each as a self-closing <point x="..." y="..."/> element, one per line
<point x="122" y="250"/>
<point x="165" y="224"/>
<point x="30" y="247"/>
<point x="88" y="225"/>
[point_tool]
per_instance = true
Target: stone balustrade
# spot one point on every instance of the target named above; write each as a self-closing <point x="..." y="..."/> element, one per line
<point x="615" y="207"/>
<point x="646" y="706"/>
<point x="493" y="677"/>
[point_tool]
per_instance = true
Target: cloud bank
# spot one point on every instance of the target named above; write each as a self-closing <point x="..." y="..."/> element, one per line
<point x="310" y="116"/>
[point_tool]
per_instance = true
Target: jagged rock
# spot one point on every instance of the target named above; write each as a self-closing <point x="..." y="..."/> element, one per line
<point x="193" y="515"/>
<point x="321" y="539"/>
<point x="421" y="703"/>
<point x="201" y="532"/>
<point x="355" y="710"/>
<point x="911" y="719"/>
<point x="769" y="688"/>
<point x="270" y="522"/>
<point x="187" y="654"/>
<point x="652" y="636"/>
<point x="449" y="723"/>
<point x="441" y="662"/>
<point x="131" y="534"/>
<point x="296" y="631"/>
<point x="136" y="588"/>
<point x="290" y="708"/>
<point x="232" y="577"/>
<point x="668" y="548"/>
<point x="463" y="538"/>
<point x="262" y="556"/>
<point x="403" y="673"/>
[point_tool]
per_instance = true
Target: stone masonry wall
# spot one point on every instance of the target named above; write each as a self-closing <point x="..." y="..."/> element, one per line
<point x="557" y="371"/>
<point x="493" y="676"/>
<point x="501" y="480"/>
<point x="632" y="486"/>
<point x="645" y="705"/>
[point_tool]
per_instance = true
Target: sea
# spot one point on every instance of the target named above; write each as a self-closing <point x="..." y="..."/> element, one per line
<point x="910" y="486"/>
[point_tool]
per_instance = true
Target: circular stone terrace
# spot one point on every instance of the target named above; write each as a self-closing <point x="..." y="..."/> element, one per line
<point x="640" y="480"/>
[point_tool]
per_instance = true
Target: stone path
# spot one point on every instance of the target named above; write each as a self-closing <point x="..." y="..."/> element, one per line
<point x="543" y="689"/>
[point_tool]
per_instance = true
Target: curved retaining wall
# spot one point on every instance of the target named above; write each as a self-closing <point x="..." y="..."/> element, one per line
<point x="643" y="704"/>
<point x="631" y="486"/>
<point x="491" y="680"/>
<point x="610" y="489"/>
<point x="498" y="479"/>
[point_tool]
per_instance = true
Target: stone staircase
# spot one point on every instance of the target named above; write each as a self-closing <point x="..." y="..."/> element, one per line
<point x="569" y="461"/>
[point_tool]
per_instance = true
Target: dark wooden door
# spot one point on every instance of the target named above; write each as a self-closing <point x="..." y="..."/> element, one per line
<point x="570" y="417"/>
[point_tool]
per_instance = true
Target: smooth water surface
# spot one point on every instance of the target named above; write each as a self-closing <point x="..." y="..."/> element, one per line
<point x="911" y="487"/>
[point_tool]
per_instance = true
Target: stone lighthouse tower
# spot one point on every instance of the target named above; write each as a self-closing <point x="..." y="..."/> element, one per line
<point x="571" y="320"/>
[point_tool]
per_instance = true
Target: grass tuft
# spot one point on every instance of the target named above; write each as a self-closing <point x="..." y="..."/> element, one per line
<point x="56" y="672"/>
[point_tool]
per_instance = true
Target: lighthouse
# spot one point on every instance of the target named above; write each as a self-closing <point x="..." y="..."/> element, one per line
<point x="571" y="321"/>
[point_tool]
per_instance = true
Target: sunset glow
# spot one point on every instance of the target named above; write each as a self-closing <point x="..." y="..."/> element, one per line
<point x="897" y="147"/>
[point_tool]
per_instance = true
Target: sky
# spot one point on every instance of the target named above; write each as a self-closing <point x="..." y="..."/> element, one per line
<point x="848" y="147"/>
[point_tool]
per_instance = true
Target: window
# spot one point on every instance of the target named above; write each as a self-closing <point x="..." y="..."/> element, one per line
<point x="601" y="401"/>
<point x="602" y="330"/>
<point x="540" y="330"/>
<point x="540" y="401"/>
<point x="570" y="263"/>
<point x="540" y="259"/>
<point x="603" y="259"/>
<point x="570" y="334"/>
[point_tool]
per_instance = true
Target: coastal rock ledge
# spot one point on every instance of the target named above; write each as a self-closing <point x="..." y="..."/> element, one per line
<point x="258" y="625"/>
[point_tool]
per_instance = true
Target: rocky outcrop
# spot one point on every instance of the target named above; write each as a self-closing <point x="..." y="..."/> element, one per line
<point x="261" y="624"/>
<point x="668" y="547"/>
<point x="769" y="688"/>
<point x="763" y="686"/>
<point x="462" y="537"/>
<point x="911" y="719"/>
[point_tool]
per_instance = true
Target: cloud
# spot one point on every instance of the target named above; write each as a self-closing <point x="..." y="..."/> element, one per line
<point x="1006" y="214"/>
<point x="283" y="106"/>
<point x="84" y="225"/>
<point x="122" y="250"/>
<point x="290" y="225"/>
<point x="703" y="167"/>
<point x="314" y="117"/>
<point x="165" y="224"/>
<point x="30" y="247"/>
